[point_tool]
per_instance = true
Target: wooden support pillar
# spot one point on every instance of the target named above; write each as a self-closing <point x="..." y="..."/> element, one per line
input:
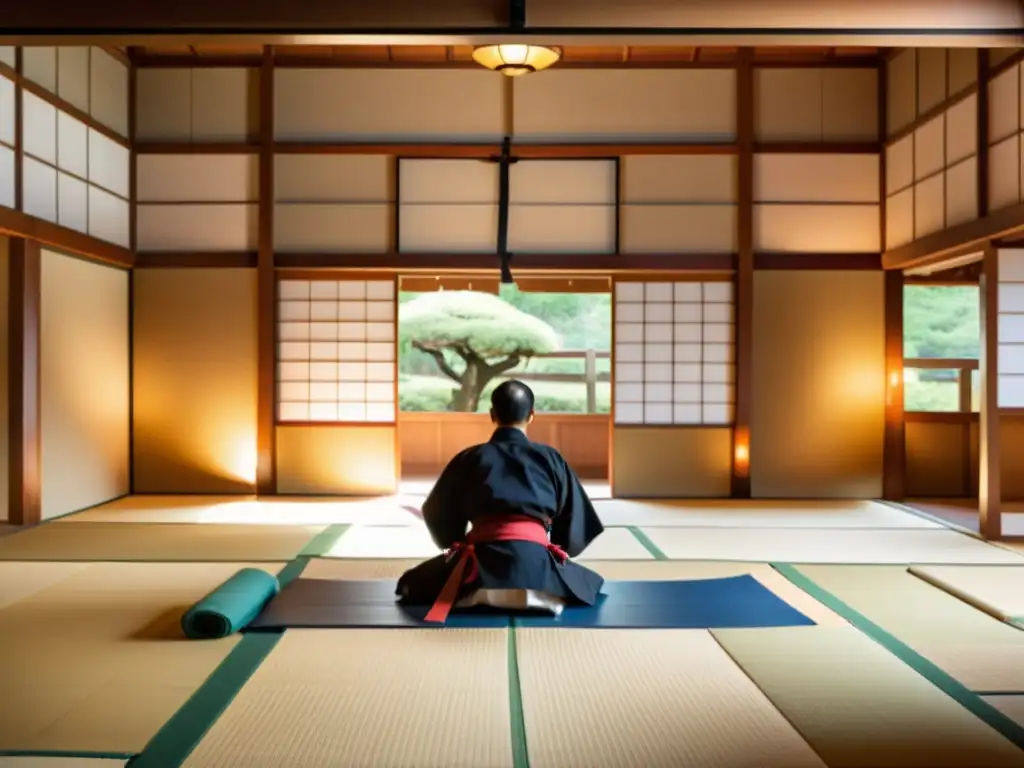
<point x="989" y="462"/>
<point x="19" y="132"/>
<point x="266" y="301"/>
<point x="133" y="177"/>
<point x="24" y="442"/>
<point x="744" y="299"/>
<point x="895" y="441"/>
<point x="894" y="461"/>
<point x="983" y="78"/>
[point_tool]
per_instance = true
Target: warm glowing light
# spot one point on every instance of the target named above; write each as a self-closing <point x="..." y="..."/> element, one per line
<point x="515" y="59"/>
<point x="742" y="453"/>
<point x="894" y="379"/>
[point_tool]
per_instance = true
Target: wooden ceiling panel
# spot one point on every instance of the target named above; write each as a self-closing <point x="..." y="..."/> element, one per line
<point x="595" y="54"/>
<point x="419" y="54"/>
<point x="661" y="53"/>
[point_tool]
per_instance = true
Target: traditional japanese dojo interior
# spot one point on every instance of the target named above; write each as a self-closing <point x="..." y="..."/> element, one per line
<point x="767" y="288"/>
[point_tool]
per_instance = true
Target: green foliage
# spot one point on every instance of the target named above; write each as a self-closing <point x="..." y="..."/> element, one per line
<point x="481" y="322"/>
<point x="939" y="321"/>
<point x="433" y="393"/>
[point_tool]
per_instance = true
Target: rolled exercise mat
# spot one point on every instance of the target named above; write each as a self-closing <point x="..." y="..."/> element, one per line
<point x="231" y="606"/>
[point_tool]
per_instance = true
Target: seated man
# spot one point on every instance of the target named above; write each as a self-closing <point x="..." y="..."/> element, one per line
<point x="513" y="492"/>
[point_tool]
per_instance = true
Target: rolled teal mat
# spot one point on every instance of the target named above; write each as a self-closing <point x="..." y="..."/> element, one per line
<point x="231" y="606"/>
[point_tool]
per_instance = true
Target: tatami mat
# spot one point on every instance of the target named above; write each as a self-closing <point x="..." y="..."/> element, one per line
<point x="635" y="699"/>
<point x="780" y="545"/>
<point x="248" y="510"/>
<point x="858" y="705"/>
<point x="97" y="663"/>
<point x="997" y="590"/>
<point x="361" y="698"/>
<point x="59" y="762"/>
<point x="731" y="513"/>
<point x="386" y="543"/>
<point x="978" y="650"/>
<point x="21" y="580"/>
<point x="613" y="570"/>
<point x="169" y="543"/>
<point x="1011" y="706"/>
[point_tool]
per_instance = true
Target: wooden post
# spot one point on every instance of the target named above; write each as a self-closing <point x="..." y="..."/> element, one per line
<point x="24" y="443"/>
<point x="266" y="301"/>
<point x="963" y="378"/>
<point x="590" y="374"/>
<point x="744" y="299"/>
<point x="989" y="464"/>
<point x="895" y="441"/>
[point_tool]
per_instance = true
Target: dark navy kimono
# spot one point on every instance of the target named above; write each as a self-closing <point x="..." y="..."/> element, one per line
<point x="510" y="474"/>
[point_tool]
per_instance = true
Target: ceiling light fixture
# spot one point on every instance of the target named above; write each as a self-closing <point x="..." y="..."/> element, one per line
<point x="515" y="59"/>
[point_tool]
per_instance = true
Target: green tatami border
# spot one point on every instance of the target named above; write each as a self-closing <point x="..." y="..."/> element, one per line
<point x="969" y="700"/>
<point x="517" y="719"/>
<point x="645" y="540"/>
<point x="322" y="543"/>
<point x="180" y="735"/>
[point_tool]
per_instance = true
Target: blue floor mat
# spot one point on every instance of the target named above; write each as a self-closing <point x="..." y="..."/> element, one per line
<point x="735" y="602"/>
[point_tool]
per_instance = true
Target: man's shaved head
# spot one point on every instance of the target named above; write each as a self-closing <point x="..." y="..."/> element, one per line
<point x="511" y="404"/>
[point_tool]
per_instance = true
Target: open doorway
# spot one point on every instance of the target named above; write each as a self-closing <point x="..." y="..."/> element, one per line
<point x="461" y="336"/>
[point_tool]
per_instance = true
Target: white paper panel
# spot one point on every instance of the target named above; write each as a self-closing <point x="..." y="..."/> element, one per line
<point x="72" y="203"/>
<point x="451" y="228"/>
<point x="197" y="178"/>
<point x="929" y="206"/>
<point x="109" y="217"/>
<point x="209" y="227"/>
<point x="163" y="104"/>
<point x="108" y="164"/>
<point x="39" y="125"/>
<point x="561" y="228"/>
<point x="899" y="165"/>
<point x="678" y="229"/>
<point x="962" y="130"/>
<point x="1011" y="359"/>
<point x="388" y="105"/>
<point x="816" y="178"/>
<point x="7" y="55"/>
<point x="333" y="228"/>
<point x="563" y="181"/>
<point x="788" y="104"/>
<point x="1011" y="328"/>
<point x="931" y="78"/>
<point x="456" y="182"/>
<point x="849" y="104"/>
<point x="817" y="228"/>
<point x="72" y="145"/>
<point x="626" y="105"/>
<point x="930" y="148"/>
<point x="962" y="192"/>
<point x="7" y="118"/>
<point x="1011" y="392"/>
<point x="963" y="69"/>
<point x="333" y="178"/>
<point x="39" y="189"/>
<point x="73" y="75"/>
<point x="1004" y="161"/>
<point x="1011" y="270"/>
<point x="6" y="177"/>
<point x="39" y="64"/>
<point x="901" y="95"/>
<point x="678" y="179"/>
<point x="224" y="104"/>
<point x="899" y="218"/>
<point x="108" y="97"/>
<point x="1011" y="299"/>
<point x="1004" y="104"/>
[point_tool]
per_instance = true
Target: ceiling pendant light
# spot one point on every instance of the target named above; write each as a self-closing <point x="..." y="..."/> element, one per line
<point x="515" y="59"/>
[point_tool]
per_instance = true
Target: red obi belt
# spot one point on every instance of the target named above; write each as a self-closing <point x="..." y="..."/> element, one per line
<point x="486" y="529"/>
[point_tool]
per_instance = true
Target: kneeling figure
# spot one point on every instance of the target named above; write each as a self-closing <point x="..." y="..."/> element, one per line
<point x="527" y="514"/>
